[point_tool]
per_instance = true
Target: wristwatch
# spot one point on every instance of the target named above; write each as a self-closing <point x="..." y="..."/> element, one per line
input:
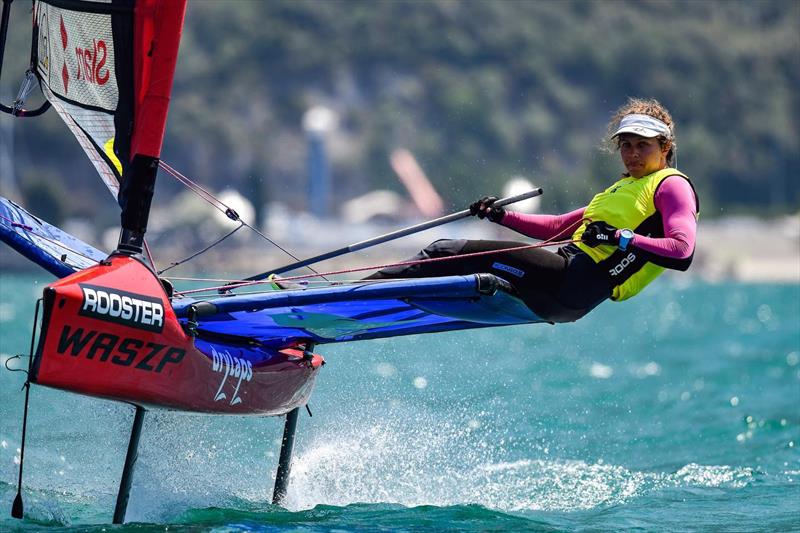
<point x="625" y="237"/>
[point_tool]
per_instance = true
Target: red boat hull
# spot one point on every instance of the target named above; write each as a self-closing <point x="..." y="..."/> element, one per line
<point x="109" y="331"/>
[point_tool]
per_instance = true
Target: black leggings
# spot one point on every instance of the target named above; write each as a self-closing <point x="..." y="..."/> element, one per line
<point x="559" y="287"/>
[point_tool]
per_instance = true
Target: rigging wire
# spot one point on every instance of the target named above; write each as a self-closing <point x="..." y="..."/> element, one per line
<point x="230" y="285"/>
<point x="231" y="213"/>
<point x="149" y="254"/>
<point x="235" y="285"/>
<point x="222" y="207"/>
<point x="207" y="248"/>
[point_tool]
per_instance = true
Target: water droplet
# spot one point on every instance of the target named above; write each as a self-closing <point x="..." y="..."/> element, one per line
<point x="4" y="444"/>
<point x="385" y="370"/>
<point x="650" y="369"/>
<point x="792" y="358"/>
<point x="601" y="371"/>
<point x="764" y="313"/>
<point x="420" y="382"/>
<point x="671" y="312"/>
<point x="686" y="395"/>
<point x="734" y="401"/>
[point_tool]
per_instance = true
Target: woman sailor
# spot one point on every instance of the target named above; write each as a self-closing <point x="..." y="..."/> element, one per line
<point x="627" y="235"/>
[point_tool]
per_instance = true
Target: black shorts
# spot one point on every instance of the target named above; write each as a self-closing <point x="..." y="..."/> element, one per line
<point x="559" y="287"/>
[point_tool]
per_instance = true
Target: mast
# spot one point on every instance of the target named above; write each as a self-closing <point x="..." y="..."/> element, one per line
<point x="157" y="33"/>
<point x="107" y="68"/>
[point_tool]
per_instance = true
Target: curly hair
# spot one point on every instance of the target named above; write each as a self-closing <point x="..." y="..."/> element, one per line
<point x="653" y="108"/>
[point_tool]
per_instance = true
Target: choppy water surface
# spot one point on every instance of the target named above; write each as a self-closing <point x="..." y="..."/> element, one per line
<point x="676" y="411"/>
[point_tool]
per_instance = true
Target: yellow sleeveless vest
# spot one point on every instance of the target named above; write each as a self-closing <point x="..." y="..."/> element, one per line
<point x="626" y="204"/>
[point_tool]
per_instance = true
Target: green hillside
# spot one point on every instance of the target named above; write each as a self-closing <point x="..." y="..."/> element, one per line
<point x="479" y="91"/>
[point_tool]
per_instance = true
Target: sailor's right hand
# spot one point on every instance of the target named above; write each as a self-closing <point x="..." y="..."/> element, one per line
<point x="598" y="233"/>
<point x="485" y="208"/>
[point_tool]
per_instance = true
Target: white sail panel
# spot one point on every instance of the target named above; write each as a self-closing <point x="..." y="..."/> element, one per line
<point x="76" y="63"/>
<point x="95" y="133"/>
<point x="76" y="56"/>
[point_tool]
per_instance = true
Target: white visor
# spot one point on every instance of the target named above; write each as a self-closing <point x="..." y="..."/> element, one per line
<point x="643" y="125"/>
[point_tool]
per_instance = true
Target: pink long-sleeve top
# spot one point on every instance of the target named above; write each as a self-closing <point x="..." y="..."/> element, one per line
<point x="674" y="199"/>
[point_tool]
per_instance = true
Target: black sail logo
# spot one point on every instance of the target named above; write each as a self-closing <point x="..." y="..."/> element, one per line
<point x="122" y="307"/>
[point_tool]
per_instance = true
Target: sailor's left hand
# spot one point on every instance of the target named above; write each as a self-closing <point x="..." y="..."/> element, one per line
<point x="485" y="208"/>
<point x="598" y="233"/>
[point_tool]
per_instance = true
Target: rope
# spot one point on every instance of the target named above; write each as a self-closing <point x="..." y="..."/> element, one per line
<point x="207" y="248"/>
<point x="235" y="285"/>
<point x="15" y="224"/>
<point x="222" y="207"/>
<point x="194" y="187"/>
<point x="548" y="242"/>
<point x="35" y="233"/>
<point x="149" y="254"/>
<point x="18" y="356"/>
<point x="233" y="215"/>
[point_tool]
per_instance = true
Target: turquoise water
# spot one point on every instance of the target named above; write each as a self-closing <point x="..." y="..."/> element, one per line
<point x="676" y="411"/>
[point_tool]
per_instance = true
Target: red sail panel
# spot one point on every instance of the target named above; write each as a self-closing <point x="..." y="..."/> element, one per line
<point x="157" y="35"/>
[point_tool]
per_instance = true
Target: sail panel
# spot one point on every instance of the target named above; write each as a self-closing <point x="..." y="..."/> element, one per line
<point x="107" y="67"/>
<point x="77" y="64"/>
<point x="76" y="55"/>
<point x="156" y="41"/>
<point x="95" y="133"/>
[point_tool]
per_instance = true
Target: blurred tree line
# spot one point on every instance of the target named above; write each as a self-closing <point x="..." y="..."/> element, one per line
<point x="479" y="91"/>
